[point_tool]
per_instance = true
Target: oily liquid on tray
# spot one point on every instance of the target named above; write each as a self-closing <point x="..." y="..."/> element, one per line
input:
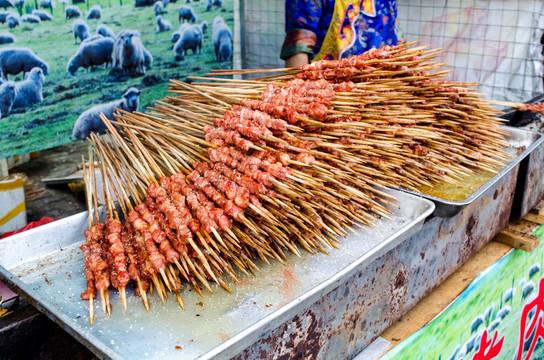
<point x="462" y="190"/>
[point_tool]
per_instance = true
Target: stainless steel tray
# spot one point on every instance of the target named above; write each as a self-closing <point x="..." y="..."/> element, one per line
<point x="45" y="266"/>
<point x="516" y="138"/>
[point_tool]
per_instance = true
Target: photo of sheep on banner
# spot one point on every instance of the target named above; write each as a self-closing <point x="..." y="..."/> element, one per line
<point x="63" y="62"/>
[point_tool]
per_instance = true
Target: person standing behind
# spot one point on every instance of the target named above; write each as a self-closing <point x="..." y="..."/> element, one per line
<point x="329" y="29"/>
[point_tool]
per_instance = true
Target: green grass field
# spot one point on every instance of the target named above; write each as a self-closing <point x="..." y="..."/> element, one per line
<point x="439" y="339"/>
<point x="50" y="123"/>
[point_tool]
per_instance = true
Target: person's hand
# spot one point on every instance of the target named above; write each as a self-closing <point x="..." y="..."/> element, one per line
<point x="297" y="60"/>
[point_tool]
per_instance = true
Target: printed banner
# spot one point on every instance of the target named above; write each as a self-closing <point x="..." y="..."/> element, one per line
<point x="60" y="58"/>
<point x="500" y="315"/>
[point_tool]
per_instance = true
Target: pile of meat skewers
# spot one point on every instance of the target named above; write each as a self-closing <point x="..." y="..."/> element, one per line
<point x="227" y="172"/>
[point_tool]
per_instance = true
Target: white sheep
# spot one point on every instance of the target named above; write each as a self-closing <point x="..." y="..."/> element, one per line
<point x="72" y="12"/>
<point x="212" y="3"/>
<point x="14" y="60"/>
<point x="175" y="37"/>
<point x="29" y="91"/>
<point x="148" y="59"/>
<point x="6" y="38"/>
<point x="93" y="53"/>
<point x="163" y="25"/>
<point x="48" y="4"/>
<point x="190" y="38"/>
<point x="13" y="21"/>
<point x="8" y="92"/>
<point x="95" y="12"/>
<point x="30" y="19"/>
<point x="80" y="30"/>
<point x="158" y="7"/>
<point x="42" y="15"/>
<point x="105" y="31"/>
<point x="186" y="13"/>
<point x="5" y="14"/>
<point x="129" y="52"/>
<point x="222" y="39"/>
<point x="89" y="121"/>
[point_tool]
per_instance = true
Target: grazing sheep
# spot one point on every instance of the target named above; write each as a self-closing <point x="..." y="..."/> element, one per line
<point x="4" y="15"/>
<point x="105" y="31"/>
<point x="89" y="121"/>
<point x="476" y="323"/>
<point x="533" y="270"/>
<point x="509" y="294"/>
<point x="163" y="25"/>
<point x="489" y="312"/>
<point x="91" y="38"/>
<point x="129" y="52"/>
<point x="94" y="53"/>
<point x="80" y="30"/>
<point x="95" y="12"/>
<point x="186" y="13"/>
<point x="29" y="91"/>
<point x="30" y="19"/>
<point x="159" y="7"/>
<point x="212" y="3"/>
<point x="14" y="60"/>
<point x="175" y="37"/>
<point x="493" y="325"/>
<point x="527" y="289"/>
<point x="13" y="21"/>
<point x="6" y="3"/>
<point x="72" y="12"/>
<point x="469" y="345"/>
<point x="42" y="15"/>
<point x="190" y="38"/>
<point x="503" y="312"/>
<point x="8" y="92"/>
<point x="48" y="4"/>
<point x="148" y="59"/>
<point x="222" y="39"/>
<point x="6" y="38"/>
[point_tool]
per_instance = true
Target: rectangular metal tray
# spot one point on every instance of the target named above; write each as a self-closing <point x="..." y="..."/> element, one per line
<point x="516" y="138"/>
<point x="45" y="266"/>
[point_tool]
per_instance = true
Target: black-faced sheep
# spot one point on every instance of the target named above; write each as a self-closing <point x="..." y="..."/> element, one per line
<point x="72" y="12"/>
<point x="29" y="91"/>
<point x="48" y="4"/>
<point x="95" y="12"/>
<point x="190" y="38"/>
<point x="105" y="31"/>
<point x="212" y="3"/>
<point x="159" y="7"/>
<point x="94" y="53"/>
<point x="89" y="121"/>
<point x="6" y="38"/>
<point x="13" y="20"/>
<point x="222" y="39"/>
<point x="163" y="25"/>
<point x="42" y="15"/>
<point x="186" y="13"/>
<point x="129" y="52"/>
<point x="5" y="14"/>
<point x="14" y="60"/>
<point x="80" y="30"/>
<point x="30" y="19"/>
<point x="8" y="92"/>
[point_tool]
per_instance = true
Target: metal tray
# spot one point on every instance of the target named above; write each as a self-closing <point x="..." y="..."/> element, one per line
<point x="45" y="266"/>
<point x="515" y="138"/>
